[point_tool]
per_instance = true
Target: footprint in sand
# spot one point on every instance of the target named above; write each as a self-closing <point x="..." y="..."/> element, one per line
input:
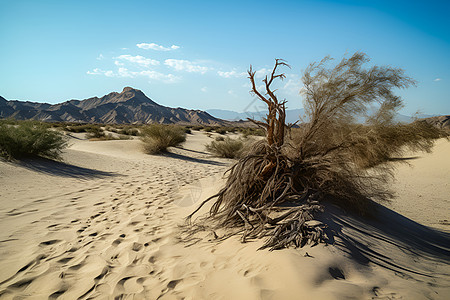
<point x="48" y="243"/>
<point x="136" y="247"/>
<point x="65" y="260"/>
<point x="58" y="293"/>
<point x="21" y="284"/>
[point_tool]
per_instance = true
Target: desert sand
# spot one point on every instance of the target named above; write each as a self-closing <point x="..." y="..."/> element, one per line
<point x="104" y="224"/>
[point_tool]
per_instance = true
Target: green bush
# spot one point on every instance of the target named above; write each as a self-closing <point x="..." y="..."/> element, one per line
<point x="220" y="130"/>
<point x="82" y="128"/>
<point x="8" y="121"/>
<point x="252" y="131"/>
<point x="228" y="148"/>
<point x="129" y="130"/>
<point x="157" y="138"/>
<point x="197" y="127"/>
<point x="30" y="139"/>
<point x="230" y="129"/>
<point x="95" y="133"/>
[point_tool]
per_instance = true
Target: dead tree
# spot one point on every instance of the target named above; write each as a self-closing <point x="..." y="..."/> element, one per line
<point x="276" y="189"/>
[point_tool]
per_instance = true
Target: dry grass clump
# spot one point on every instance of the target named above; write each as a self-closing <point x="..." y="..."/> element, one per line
<point x="226" y="147"/>
<point x="251" y="131"/>
<point x="197" y="127"/>
<point x="275" y="189"/>
<point x="157" y="138"/>
<point x="82" y="127"/>
<point x="220" y="130"/>
<point x="30" y="139"/>
<point x="129" y="130"/>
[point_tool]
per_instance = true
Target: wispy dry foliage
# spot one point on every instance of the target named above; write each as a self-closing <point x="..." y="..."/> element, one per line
<point x="226" y="147"/>
<point x="157" y="137"/>
<point x="275" y="190"/>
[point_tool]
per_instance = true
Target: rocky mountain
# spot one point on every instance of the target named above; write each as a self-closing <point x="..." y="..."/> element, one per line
<point x="441" y="122"/>
<point x="129" y="106"/>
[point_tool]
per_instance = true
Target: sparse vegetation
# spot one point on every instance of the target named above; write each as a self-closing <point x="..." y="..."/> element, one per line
<point x="129" y="130"/>
<point x="95" y="133"/>
<point x="197" y="127"/>
<point x="220" y="130"/>
<point x="251" y="131"/>
<point x="330" y="157"/>
<point x="82" y="128"/>
<point x="226" y="147"/>
<point x="30" y="139"/>
<point x="157" y="138"/>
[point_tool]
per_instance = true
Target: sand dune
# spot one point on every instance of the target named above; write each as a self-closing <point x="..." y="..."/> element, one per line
<point x="104" y="224"/>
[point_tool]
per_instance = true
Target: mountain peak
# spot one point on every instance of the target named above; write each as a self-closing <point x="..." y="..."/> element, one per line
<point x="129" y="89"/>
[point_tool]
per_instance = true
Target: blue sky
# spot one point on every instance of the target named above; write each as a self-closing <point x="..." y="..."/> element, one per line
<point x="194" y="54"/>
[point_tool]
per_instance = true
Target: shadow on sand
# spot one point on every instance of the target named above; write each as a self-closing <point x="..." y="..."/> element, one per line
<point x="391" y="241"/>
<point x="193" y="159"/>
<point x="57" y="168"/>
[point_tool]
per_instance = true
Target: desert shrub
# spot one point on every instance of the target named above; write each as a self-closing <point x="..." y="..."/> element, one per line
<point x="329" y="157"/>
<point x="9" y="121"/>
<point x="208" y="129"/>
<point x="230" y="129"/>
<point x="82" y="128"/>
<point x="157" y="138"/>
<point x="28" y="139"/>
<point x="220" y="138"/>
<point x="228" y="148"/>
<point x="59" y="125"/>
<point x="129" y="130"/>
<point x="251" y="131"/>
<point x="187" y="130"/>
<point x="197" y="127"/>
<point x="220" y="130"/>
<point x="95" y="133"/>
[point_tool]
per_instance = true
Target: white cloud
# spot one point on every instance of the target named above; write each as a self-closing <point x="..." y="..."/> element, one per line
<point x="124" y="72"/>
<point x="438" y="79"/>
<point x="100" y="57"/>
<point x="140" y="60"/>
<point x="109" y="74"/>
<point x="231" y="93"/>
<point x="185" y="65"/>
<point x="204" y="89"/>
<point x="261" y="73"/>
<point x="118" y="63"/>
<point x="294" y="85"/>
<point x="96" y="71"/>
<point x="168" y="78"/>
<point x="157" y="47"/>
<point x="231" y="74"/>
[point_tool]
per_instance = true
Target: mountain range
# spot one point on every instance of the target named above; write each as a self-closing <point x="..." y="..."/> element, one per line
<point x="130" y="106"/>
